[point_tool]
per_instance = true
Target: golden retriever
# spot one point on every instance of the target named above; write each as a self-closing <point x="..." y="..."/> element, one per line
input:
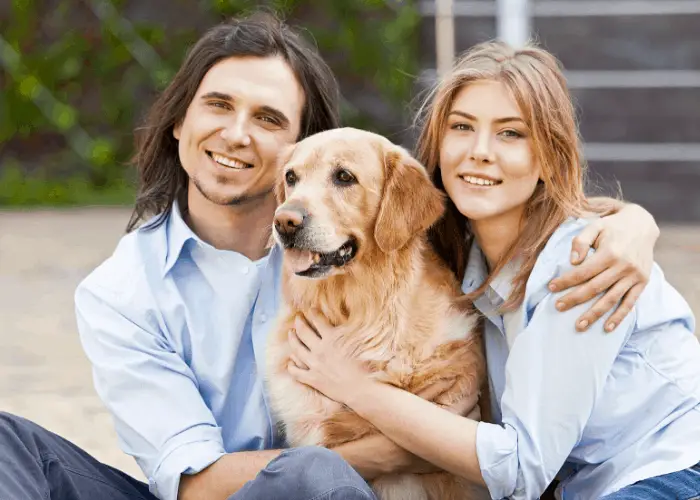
<point x="353" y="216"/>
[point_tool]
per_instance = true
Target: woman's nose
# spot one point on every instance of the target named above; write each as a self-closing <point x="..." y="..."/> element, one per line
<point x="482" y="149"/>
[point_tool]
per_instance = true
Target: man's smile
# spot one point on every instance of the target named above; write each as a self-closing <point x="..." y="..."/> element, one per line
<point x="228" y="162"/>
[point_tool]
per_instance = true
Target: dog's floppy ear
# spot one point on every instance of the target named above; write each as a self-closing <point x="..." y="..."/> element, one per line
<point x="410" y="202"/>
<point x="282" y="158"/>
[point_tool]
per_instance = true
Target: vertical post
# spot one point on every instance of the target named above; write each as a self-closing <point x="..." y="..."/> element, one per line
<point x="444" y="35"/>
<point x="513" y="22"/>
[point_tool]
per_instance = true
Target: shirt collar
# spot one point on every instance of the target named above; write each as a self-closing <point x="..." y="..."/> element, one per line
<point x="500" y="287"/>
<point x="177" y="234"/>
<point x="502" y="284"/>
<point x="476" y="271"/>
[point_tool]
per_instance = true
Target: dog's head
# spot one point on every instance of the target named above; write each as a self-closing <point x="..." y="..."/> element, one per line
<point x="345" y="192"/>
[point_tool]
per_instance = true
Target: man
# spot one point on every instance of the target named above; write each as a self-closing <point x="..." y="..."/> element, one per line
<point x="175" y="321"/>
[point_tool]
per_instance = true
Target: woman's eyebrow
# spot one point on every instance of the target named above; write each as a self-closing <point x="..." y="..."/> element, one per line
<point x="505" y="119"/>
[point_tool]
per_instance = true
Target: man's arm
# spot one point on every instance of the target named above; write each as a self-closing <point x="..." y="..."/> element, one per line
<point x="159" y="413"/>
<point x="610" y="205"/>
<point x="225" y="476"/>
<point x="370" y="457"/>
<point x="624" y="240"/>
<point x="149" y="390"/>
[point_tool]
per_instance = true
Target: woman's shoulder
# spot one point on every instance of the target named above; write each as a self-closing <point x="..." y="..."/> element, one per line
<point x="659" y="303"/>
<point x="561" y="241"/>
<point x="554" y="259"/>
<point x="557" y="251"/>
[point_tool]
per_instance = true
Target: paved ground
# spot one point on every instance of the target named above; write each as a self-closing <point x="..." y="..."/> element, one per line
<point x="44" y="375"/>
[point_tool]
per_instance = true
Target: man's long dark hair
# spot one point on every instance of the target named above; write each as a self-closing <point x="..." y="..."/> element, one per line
<point x="162" y="179"/>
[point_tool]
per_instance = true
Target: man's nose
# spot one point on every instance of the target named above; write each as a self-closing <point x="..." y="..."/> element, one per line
<point x="288" y="220"/>
<point x="236" y="134"/>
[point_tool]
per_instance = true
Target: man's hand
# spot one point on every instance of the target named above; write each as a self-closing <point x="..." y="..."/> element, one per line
<point x="376" y="455"/>
<point x="621" y="265"/>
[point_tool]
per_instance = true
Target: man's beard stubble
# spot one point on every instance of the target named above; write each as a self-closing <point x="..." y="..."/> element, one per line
<point x="243" y="199"/>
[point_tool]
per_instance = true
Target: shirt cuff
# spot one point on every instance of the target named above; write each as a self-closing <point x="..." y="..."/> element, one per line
<point x="189" y="458"/>
<point x="497" y="451"/>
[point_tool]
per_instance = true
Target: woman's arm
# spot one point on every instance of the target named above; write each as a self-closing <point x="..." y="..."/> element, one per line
<point x="440" y="437"/>
<point x="553" y="378"/>
<point x="392" y="410"/>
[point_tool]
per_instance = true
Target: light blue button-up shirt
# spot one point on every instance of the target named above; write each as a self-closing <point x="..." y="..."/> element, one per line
<point x="597" y="410"/>
<point x="176" y="330"/>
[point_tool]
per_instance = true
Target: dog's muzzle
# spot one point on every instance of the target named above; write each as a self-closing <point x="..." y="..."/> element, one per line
<point x="301" y="252"/>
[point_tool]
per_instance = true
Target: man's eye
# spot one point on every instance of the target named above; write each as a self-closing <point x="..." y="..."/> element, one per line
<point x="290" y="178"/>
<point x="344" y="178"/>
<point x="219" y="104"/>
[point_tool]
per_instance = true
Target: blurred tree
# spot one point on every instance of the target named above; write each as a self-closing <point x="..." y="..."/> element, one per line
<point x="79" y="75"/>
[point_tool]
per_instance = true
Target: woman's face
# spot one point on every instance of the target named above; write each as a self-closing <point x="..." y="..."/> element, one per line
<point x="486" y="159"/>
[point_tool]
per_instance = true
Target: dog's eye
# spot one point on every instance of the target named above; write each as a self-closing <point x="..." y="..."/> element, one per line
<point x="290" y="177"/>
<point x="343" y="177"/>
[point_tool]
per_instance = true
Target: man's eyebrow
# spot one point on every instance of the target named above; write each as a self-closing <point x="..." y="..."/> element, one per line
<point x="284" y="121"/>
<point x="505" y="119"/>
<point x="217" y="95"/>
<point x="281" y="117"/>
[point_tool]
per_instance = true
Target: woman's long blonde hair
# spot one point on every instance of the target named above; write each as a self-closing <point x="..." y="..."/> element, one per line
<point x="536" y="81"/>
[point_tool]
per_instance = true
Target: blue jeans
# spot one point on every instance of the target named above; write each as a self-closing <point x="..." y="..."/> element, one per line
<point x="36" y="464"/>
<point x="681" y="485"/>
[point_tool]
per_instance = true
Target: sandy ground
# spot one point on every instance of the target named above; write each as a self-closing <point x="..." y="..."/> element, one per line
<point x="44" y="375"/>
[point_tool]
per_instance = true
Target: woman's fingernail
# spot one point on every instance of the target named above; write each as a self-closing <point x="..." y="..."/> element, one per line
<point x="583" y="324"/>
<point x="574" y="256"/>
<point x="610" y="327"/>
<point x="553" y="287"/>
<point x="560" y="306"/>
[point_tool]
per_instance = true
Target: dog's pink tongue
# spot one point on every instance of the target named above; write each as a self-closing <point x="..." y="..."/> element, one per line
<point x="298" y="260"/>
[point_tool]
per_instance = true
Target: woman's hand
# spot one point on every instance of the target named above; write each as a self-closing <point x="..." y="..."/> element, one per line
<point x="620" y="267"/>
<point x="318" y="363"/>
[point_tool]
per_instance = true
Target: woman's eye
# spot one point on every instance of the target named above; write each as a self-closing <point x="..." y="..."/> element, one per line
<point x="512" y="133"/>
<point x="290" y="178"/>
<point x="343" y="177"/>
<point x="461" y="126"/>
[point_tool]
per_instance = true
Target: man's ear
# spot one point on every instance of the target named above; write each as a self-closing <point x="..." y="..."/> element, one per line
<point x="283" y="158"/>
<point x="410" y="202"/>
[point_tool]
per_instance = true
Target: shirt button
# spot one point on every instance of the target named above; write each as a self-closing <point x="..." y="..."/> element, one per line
<point x="263" y="318"/>
<point x="245" y="270"/>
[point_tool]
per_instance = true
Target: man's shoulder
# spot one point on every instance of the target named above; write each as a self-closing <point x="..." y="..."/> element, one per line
<point x="138" y="255"/>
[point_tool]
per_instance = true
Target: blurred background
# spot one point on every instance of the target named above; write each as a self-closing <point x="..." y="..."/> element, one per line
<point x="77" y="76"/>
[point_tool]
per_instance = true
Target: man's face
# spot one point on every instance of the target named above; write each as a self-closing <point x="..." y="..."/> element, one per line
<point x="245" y="111"/>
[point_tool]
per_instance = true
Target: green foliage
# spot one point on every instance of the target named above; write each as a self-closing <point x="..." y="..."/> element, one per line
<point x="75" y="90"/>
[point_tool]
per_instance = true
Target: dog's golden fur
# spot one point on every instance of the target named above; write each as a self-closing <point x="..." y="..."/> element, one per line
<point x="396" y="305"/>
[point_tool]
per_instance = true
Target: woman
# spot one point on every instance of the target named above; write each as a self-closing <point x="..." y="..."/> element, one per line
<point x="609" y="415"/>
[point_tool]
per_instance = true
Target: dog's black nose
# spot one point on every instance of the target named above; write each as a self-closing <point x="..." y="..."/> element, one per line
<point x="289" y="220"/>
